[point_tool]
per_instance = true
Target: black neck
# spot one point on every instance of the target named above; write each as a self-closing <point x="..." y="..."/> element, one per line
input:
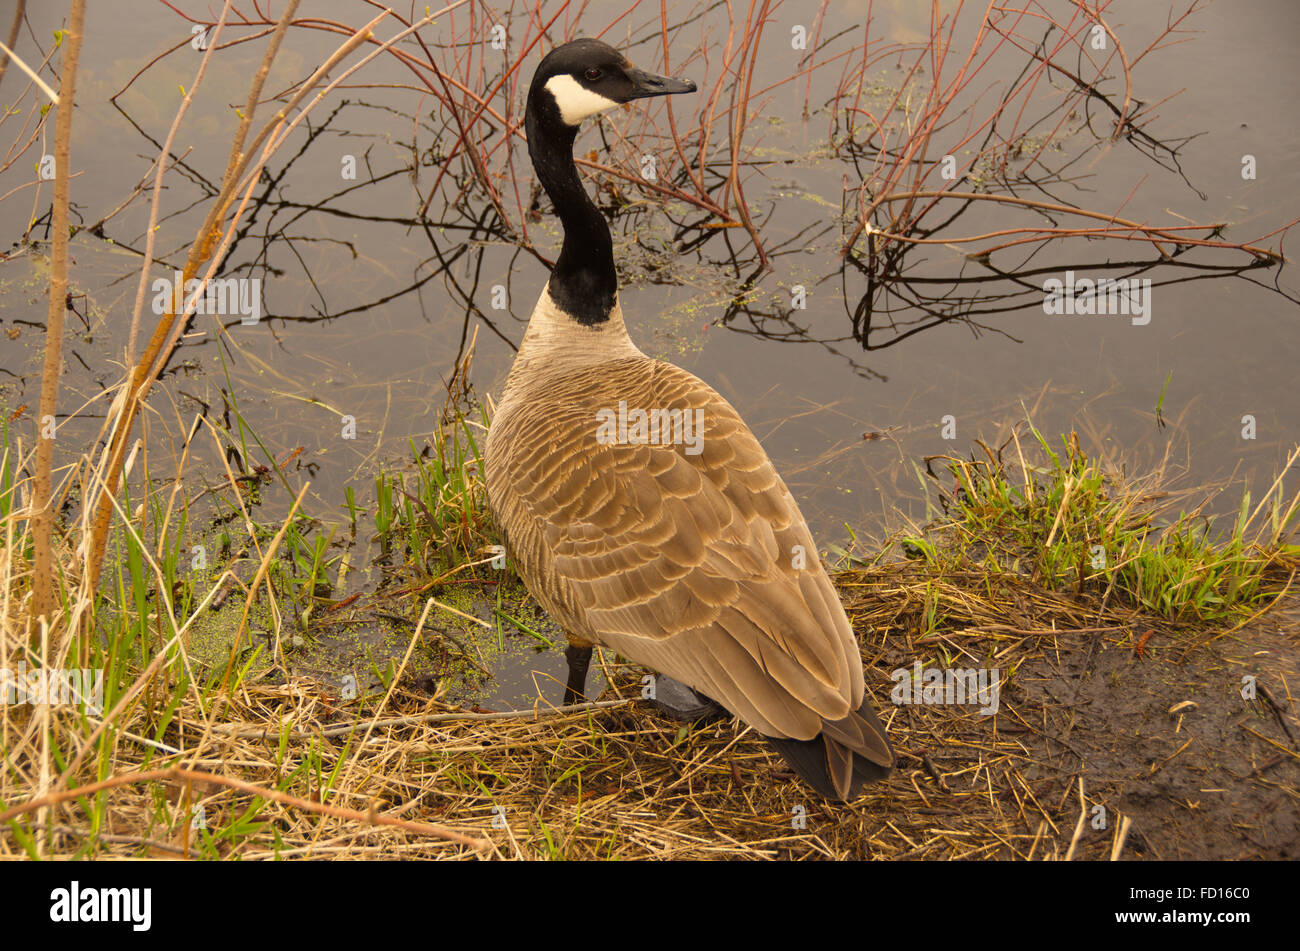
<point x="583" y="283"/>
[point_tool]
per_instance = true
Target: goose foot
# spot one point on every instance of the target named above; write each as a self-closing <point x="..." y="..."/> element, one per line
<point x="680" y="702"/>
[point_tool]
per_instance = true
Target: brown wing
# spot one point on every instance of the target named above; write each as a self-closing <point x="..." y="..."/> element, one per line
<point x="688" y="564"/>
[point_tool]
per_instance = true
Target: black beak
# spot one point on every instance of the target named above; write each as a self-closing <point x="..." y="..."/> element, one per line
<point x="646" y="84"/>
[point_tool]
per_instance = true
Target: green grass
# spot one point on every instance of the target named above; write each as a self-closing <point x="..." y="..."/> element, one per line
<point x="1067" y="523"/>
<point x="438" y="512"/>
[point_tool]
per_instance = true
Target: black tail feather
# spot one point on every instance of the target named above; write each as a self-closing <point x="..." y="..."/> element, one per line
<point x="814" y="763"/>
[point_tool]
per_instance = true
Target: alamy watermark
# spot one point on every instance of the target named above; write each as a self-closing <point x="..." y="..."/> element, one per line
<point x="54" y="686"/>
<point x="228" y="296"/>
<point x="1103" y="296"/>
<point x="85" y="903"/>
<point x="951" y="687"/>
<point x="654" y="427"/>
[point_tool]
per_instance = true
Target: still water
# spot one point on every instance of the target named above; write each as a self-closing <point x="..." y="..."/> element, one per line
<point x="366" y="300"/>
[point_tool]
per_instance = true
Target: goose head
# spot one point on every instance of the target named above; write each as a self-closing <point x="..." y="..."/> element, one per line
<point x="586" y="76"/>
<point x="574" y="81"/>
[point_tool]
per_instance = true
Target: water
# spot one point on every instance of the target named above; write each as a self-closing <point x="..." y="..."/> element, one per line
<point x="365" y="301"/>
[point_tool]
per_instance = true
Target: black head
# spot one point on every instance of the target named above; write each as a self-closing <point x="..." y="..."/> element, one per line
<point x="586" y="76"/>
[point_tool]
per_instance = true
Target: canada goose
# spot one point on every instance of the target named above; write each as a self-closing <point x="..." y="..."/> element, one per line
<point x="691" y="559"/>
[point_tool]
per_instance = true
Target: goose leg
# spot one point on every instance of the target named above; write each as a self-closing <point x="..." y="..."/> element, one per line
<point x="579" y="659"/>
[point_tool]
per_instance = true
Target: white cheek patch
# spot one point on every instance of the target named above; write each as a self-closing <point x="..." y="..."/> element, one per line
<point x="575" y="100"/>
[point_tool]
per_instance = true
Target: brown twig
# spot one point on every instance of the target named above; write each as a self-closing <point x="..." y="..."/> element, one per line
<point x="42" y="510"/>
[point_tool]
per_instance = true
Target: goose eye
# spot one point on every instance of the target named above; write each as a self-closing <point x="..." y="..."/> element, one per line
<point x="592" y="74"/>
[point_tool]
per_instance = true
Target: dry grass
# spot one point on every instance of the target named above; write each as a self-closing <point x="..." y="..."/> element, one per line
<point x="614" y="779"/>
<point x="281" y="766"/>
